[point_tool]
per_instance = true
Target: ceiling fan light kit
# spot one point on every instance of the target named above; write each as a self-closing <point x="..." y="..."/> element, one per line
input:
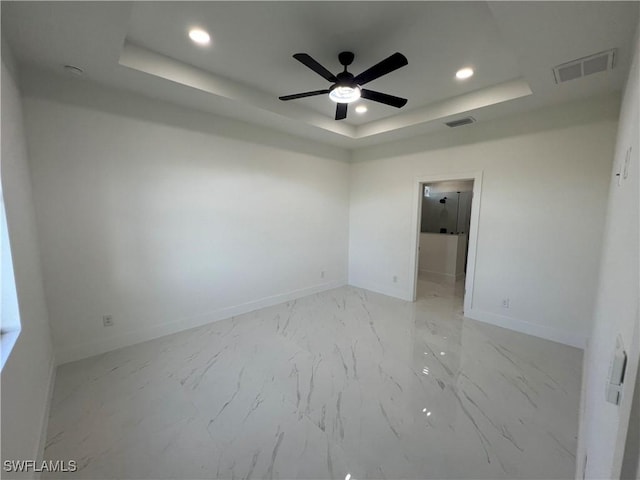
<point x="344" y="93"/>
<point x="346" y="87"/>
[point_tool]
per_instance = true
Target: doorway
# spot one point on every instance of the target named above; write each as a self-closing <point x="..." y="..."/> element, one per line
<point x="447" y="211"/>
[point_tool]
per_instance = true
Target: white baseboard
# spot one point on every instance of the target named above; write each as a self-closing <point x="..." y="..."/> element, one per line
<point x="45" y="415"/>
<point x="88" y="349"/>
<point x="71" y="353"/>
<point x="581" y="454"/>
<point x="384" y="290"/>
<point x="522" y="326"/>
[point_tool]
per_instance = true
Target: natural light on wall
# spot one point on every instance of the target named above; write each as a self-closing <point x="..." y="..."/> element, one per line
<point x="9" y="312"/>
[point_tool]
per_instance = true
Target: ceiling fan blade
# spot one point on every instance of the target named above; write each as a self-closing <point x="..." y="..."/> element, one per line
<point x="303" y="94"/>
<point x="315" y="66"/>
<point x="385" y="98"/>
<point x="341" y="111"/>
<point x="387" y="65"/>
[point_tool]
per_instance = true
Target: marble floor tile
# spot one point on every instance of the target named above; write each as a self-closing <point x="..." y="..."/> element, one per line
<point x="343" y="382"/>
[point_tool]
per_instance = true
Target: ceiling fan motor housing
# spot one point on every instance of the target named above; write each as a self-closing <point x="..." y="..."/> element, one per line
<point x="346" y="58"/>
<point x="345" y="79"/>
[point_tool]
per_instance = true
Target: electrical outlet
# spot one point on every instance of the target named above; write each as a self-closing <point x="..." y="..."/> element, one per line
<point x="322" y="274"/>
<point x="505" y="303"/>
<point x="107" y="320"/>
<point x="395" y="279"/>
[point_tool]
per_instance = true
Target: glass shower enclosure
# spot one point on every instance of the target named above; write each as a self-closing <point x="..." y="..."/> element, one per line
<point x="445" y="212"/>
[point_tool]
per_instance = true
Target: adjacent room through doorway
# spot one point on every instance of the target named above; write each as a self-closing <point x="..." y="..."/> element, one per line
<point x="443" y="244"/>
<point x="446" y="232"/>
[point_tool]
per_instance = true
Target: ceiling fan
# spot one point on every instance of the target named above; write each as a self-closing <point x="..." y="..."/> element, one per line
<point x="346" y="88"/>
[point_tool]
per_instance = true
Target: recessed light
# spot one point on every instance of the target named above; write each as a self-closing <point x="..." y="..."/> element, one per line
<point x="199" y="36"/>
<point x="464" y="73"/>
<point x="361" y="109"/>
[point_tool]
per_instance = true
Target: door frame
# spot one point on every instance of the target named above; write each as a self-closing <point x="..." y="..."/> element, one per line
<point x="473" y="230"/>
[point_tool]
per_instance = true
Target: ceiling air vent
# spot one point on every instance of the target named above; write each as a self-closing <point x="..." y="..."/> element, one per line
<point x="599" y="62"/>
<point x="460" y="122"/>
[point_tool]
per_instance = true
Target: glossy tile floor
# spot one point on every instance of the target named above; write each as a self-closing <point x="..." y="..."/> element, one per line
<point x="342" y="382"/>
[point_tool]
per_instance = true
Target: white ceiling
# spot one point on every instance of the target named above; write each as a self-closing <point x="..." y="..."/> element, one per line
<point x="513" y="46"/>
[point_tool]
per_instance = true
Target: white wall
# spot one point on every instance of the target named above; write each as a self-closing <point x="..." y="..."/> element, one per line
<point x="158" y="216"/>
<point x="541" y="213"/>
<point x="604" y="425"/>
<point x="442" y="255"/>
<point x="28" y="374"/>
